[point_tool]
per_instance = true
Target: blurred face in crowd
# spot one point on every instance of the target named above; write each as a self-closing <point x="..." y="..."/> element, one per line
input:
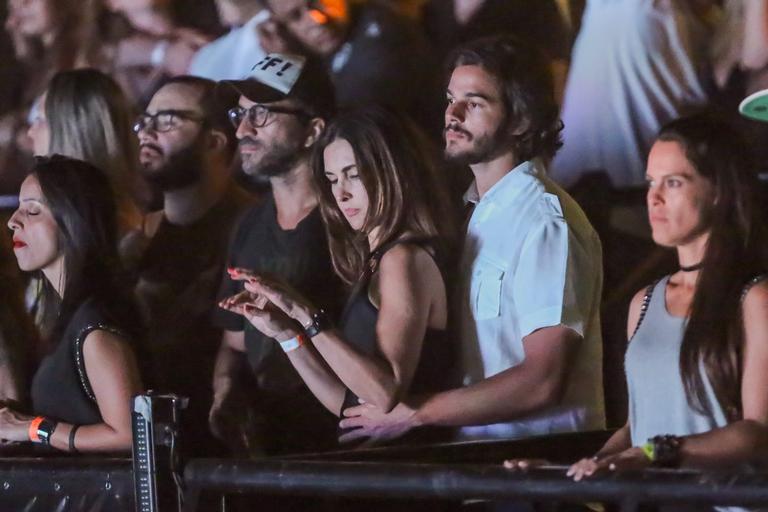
<point x="135" y="5"/>
<point x="346" y="184"/>
<point x="172" y="142"/>
<point x="35" y="233"/>
<point x="475" y="117"/>
<point x="275" y="147"/>
<point x="320" y="25"/>
<point x="680" y="200"/>
<point x="39" y="131"/>
<point x="31" y="17"/>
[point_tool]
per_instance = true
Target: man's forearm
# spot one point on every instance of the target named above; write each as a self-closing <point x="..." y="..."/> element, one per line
<point x="228" y="364"/>
<point x="507" y="396"/>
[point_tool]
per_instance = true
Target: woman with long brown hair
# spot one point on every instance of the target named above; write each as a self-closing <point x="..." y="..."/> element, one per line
<point x="389" y="233"/>
<point x="697" y="362"/>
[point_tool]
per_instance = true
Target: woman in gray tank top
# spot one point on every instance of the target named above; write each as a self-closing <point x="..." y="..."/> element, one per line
<point x="697" y="362"/>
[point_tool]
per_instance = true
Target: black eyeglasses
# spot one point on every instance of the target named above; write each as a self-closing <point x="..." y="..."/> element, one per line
<point x="165" y="120"/>
<point x="258" y="115"/>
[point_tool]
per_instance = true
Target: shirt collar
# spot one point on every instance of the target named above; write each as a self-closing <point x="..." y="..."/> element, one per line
<point x="508" y="186"/>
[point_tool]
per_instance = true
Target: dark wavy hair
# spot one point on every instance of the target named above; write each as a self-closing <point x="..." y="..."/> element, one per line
<point x="398" y="168"/>
<point x="737" y="251"/>
<point x="527" y="91"/>
<point x="82" y="203"/>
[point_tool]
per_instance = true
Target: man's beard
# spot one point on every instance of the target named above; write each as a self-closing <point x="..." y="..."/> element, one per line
<point x="484" y="149"/>
<point x="279" y="159"/>
<point x="182" y="169"/>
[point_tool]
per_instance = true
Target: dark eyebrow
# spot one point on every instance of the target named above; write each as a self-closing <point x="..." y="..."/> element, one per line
<point x="473" y="95"/>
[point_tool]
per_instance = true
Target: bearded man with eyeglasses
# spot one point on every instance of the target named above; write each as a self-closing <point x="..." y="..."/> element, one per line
<point x="283" y="107"/>
<point x="187" y="148"/>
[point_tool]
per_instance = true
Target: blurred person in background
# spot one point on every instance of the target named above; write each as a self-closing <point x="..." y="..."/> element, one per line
<point x="449" y="23"/>
<point x="231" y="56"/>
<point x="369" y="49"/>
<point x="84" y="114"/>
<point x="47" y="36"/>
<point x="636" y="64"/>
<point x="148" y="47"/>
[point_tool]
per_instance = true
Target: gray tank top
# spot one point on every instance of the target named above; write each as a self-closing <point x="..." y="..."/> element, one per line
<point x="657" y="401"/>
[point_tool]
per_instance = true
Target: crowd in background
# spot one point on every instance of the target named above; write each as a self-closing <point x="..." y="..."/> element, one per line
<point x="250" y="193"/>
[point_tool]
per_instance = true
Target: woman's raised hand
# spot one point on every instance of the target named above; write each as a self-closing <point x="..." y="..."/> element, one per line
<point x="279" y="294"/>
<point x="262" y="314"/>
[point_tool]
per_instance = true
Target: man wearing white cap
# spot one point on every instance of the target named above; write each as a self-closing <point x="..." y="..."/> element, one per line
<point x="283" y="107"/>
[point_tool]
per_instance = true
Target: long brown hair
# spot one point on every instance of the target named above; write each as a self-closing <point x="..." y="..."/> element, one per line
<point x="398" y="169"/>
<point x="90" y="119"/>
<point x="737" y="250"/>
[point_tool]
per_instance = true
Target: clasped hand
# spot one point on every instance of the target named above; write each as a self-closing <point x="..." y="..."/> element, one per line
<point x="271" y="307"/>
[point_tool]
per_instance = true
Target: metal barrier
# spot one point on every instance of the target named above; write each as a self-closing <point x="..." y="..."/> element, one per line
<point x="448" y="473"/>
<point x="36" y="484"/>
<point x="470" y="482"/>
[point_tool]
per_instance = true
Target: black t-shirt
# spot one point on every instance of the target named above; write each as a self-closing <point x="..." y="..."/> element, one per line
<point x="178" y="280"/>
<point x="295" y="420"/>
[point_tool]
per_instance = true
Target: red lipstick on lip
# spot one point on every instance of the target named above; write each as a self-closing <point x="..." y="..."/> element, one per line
<point x="18" y="244"/>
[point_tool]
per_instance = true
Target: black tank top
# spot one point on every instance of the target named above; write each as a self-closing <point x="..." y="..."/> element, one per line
<point x="435" y="370"/>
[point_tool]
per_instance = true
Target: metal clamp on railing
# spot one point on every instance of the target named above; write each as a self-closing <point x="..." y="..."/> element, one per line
<point x="156" y="461"/>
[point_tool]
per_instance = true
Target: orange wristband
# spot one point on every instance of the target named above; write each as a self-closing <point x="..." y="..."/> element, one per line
<point x="33" y="429"/>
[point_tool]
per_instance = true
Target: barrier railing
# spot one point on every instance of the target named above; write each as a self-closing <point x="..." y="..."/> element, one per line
<point x="470" y="482"/>
<point x="152" y="481"/>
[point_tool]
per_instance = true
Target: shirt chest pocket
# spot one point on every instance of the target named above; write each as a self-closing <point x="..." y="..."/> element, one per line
<point x="489" y="279"/>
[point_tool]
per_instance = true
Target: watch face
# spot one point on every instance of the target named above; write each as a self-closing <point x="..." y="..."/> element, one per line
<point x="755" y="106"/>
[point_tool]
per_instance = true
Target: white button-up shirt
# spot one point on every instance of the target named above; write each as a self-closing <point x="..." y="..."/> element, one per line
<point x="531" y="260"/>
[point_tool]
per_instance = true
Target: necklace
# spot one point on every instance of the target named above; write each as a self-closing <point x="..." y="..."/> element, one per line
<point x="692" y="268"/>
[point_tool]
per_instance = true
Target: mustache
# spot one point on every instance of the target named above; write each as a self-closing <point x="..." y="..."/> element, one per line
<point x="153" y="147"/>
<point x="454" y="127"/>
<point x="248" y="141"/>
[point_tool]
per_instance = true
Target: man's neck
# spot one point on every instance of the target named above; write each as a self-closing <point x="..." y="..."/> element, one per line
<point x="187" y="205"/>
<point x="294" y="194"/>
<point x="487" y="174"/>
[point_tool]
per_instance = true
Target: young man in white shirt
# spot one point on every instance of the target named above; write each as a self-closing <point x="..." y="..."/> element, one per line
<point x="531" y="271"/>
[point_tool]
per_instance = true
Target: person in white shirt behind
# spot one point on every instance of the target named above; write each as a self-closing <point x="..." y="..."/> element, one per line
<point x="531" y="273"/>
<point x="231" y="56"/>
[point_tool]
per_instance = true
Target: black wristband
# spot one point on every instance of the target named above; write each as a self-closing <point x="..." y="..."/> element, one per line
<point x="666" y="451"/>
<point x="320" y="322"/>
<point x="72" y="433"/>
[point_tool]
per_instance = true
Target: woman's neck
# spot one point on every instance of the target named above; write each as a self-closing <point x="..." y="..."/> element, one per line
<point x="54" y="273"/>
<point x="690" y="255"/>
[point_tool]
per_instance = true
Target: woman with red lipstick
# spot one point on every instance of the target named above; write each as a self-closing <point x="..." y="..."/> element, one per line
<point x="65" y="229"/>
<point x="389" y="232"/>
<point x="697" y="362"/>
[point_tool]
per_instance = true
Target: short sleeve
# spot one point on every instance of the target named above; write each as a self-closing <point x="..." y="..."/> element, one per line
<point x="539" y="280"/>
<point x="552" y="278"/>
